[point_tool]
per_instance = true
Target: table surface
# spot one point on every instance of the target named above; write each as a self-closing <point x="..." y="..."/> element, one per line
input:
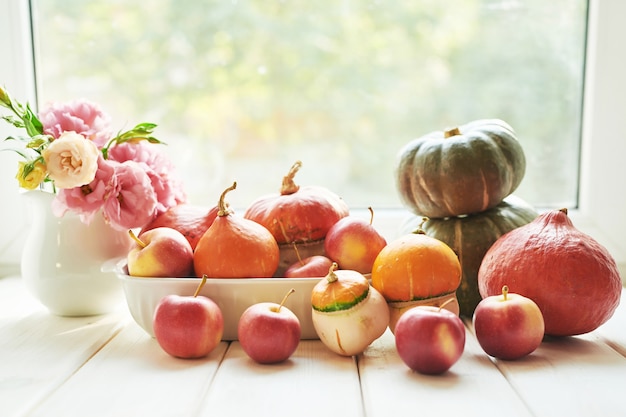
<point x="108" y="366"/>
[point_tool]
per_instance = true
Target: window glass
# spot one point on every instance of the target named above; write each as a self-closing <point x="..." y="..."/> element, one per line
<point x="242" y="89"/>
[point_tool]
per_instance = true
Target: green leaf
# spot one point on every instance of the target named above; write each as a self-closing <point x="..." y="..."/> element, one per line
<point x="32" y="124"/>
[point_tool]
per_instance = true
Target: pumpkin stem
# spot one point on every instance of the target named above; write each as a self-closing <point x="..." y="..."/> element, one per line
<point x="221" y="205"/>
<point x="289" y="186"/>
<point x="451" y="132"/>
<point x="564" y="210"/>
<point x="505" y="291"/>
<point x="332" y="277"/>
<point x="371" y="215"/>
<point x="204" y="277"/>
<point x="420" y="227"/>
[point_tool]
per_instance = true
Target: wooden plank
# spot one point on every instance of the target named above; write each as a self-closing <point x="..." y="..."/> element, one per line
<point x="133" y="376"/>
<point x="39" y="352"/>
<point x="15" y="300"/>
<point x="313" y="382"/>
<point x="570" y="376"/>
<point x="612" y="332"/>
<point x="472" y="387"/>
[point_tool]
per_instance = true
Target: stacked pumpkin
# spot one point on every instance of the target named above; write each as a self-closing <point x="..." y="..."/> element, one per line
<point x="458" y="184"/>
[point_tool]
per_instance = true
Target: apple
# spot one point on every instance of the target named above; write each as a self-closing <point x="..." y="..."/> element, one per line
<point x="429" y="340"/>
<point x="354" y="243"/>
<point x="508" y="326"/>
<point x="269" y="332"/>
<point x="160" y="252"/>
<point x="312" y="266"/>
<point x="188" y="326"/>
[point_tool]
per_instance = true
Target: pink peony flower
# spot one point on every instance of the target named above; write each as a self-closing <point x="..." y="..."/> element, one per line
<point x="167" y="186"/>
<point x="87" y="200"/>
<point x="80" y="116"/>
<point x="131" y="202"/>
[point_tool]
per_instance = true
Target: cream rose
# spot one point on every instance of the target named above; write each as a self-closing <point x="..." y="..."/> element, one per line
<point x="71" y="160"/>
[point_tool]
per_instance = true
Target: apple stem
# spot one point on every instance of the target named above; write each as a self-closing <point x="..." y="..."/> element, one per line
<point x="291" y="291"/>
<point x="505" y="291"/>
<point x="371" y="215"/>
<point x="295" y="247"/>
<point x="204" y="277"/>
<point x="448" y="301"/>
<point x="140" y="242"/>
<point x="332" y="277"/>
<point x="222" y="207"/>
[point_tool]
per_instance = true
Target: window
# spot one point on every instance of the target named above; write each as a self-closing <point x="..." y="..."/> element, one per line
<point x="242" y="89"/>
<point x="601" y="202"/>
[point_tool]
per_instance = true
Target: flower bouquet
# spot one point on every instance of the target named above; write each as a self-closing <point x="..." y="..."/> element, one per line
<point x="106" y="184"/>
<point x="70" y="150"/>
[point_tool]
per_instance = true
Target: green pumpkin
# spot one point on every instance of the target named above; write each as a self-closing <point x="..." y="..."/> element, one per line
<point x="471" y="236"/>
<point x="460" y="171"/>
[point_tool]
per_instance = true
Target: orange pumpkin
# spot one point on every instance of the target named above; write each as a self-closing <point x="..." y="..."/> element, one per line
<point x="235" y="247"/>
<point x="573" y="279"/>
<point x="298" y="214"/>
<point x="192" y="221"/>
<point x="416" y="269"/>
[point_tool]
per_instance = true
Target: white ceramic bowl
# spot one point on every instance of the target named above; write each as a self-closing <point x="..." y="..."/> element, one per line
<point x="233" y="295"/>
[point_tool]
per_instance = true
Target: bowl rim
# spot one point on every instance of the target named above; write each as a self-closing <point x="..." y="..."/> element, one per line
<point x="120" y="268"/>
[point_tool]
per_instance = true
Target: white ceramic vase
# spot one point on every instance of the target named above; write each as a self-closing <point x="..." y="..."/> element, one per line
<point x="63" y="258"/>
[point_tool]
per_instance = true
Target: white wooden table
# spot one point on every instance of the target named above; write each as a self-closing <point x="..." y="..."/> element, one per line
<point x="107" y="366"/>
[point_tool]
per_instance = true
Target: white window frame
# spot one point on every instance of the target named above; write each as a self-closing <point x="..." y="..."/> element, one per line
<point x="602" y="200"/>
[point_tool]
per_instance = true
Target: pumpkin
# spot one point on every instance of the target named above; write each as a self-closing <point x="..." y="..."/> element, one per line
<point x="464" y="170"/>
<point x="297" y="214"/>
<point x="191" y="220"/>
<point x="235" y="247"/>
<point x="347" y="313"/>
<point x="571" y="277"/>
<point x="471" y="236"/>
<point x="416" y="269"/>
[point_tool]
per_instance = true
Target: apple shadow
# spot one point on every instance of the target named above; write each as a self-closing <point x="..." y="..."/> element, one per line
<point x="445" y="380"/>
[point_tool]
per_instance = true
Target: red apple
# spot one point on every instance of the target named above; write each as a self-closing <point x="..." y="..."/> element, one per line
<point x="429" y="339"/>
<point x="312" y="266"/>
<point x="508" y="326"/>
<point x="188" y="326"/>
<point x="269" y="332"/>
<point x="160" y="252"/>
<point x="354" y="243"/>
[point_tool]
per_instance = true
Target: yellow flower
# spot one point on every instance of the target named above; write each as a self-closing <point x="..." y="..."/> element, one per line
<point x="30" y="174"/>
<point x="5" y="100"/>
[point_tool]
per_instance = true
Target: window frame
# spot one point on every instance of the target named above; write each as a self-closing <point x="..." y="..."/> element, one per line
<point x="601" y="211"/>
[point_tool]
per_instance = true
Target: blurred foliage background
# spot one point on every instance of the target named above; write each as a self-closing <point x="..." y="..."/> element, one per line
<point x="242" y="89"/>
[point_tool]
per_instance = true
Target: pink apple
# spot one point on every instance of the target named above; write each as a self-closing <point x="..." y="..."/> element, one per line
<point x="188" y="326"/>
<point x="354" y="243"/>
<point x="269" y="332"/>
<point x="508" y="326"/>
<point x="313" y="266"/>
<point x="160" y="252"/>
<point x="429" y="339"/>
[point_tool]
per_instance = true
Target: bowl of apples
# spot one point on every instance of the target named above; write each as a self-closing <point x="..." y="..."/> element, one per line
<point x="232" y="295"/>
